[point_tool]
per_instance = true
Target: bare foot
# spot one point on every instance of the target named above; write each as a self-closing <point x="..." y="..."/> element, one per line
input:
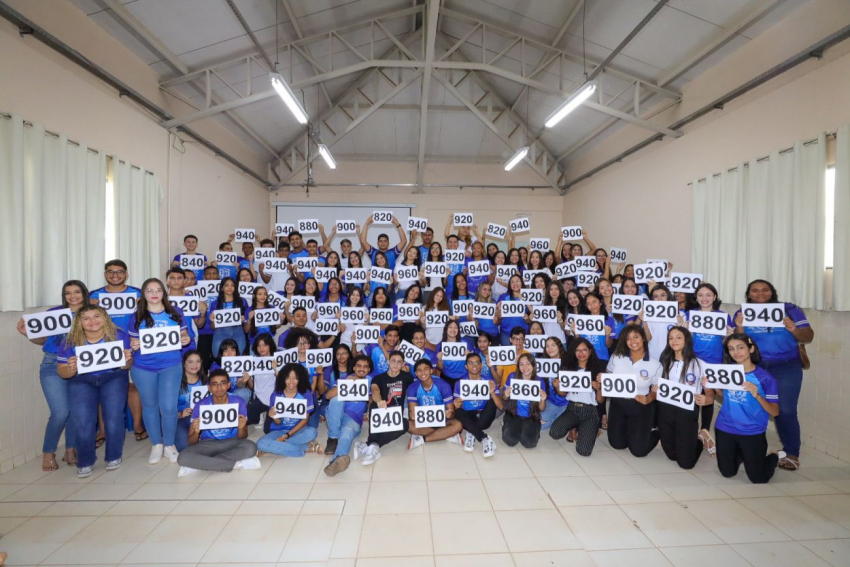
<point x="48" y="464"/>
<point x="70" y="457"/>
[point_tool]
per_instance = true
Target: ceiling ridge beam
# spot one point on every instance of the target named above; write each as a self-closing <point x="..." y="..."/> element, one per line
<point x="294" y="21"/>
<point x="431" y="19"/>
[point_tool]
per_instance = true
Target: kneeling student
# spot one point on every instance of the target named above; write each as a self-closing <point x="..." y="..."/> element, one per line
<point x="477" y="416"/>
<point x="222" y="449"/>
<point x="522" y="422"/>
<point x="428" y="390"/>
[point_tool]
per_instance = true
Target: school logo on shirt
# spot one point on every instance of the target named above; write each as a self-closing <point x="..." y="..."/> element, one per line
<point x="644" y="374"/>
<point x="691" y="378"/>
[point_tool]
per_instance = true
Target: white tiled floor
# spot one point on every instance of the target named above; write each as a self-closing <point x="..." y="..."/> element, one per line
<point x="435" y="506"/>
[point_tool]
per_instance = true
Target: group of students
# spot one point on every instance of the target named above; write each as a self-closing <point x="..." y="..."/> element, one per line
<point x="403" y="381"/>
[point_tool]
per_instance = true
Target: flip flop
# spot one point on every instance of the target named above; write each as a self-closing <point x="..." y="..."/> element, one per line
<point x="98" y="443"/>
<point x="314" y="447"/>
<point x="789" y="463"/>
<point x="141" y="435"/>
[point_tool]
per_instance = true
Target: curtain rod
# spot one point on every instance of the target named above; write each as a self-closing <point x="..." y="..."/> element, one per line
<point x="766" y="158"/>
<point x="72" y="142"/>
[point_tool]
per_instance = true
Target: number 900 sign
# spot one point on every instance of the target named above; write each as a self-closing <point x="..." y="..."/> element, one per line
<point x="219" y="416"/>
<point x="618" y="386"/>
<point x="56" y="322"/>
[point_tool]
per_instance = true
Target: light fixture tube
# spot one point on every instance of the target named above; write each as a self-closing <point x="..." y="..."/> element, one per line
<point x="571" y="104"/>
<point x="520" y="153"/>
<point x="288" y="97"/>
<point x="326" y="155"/>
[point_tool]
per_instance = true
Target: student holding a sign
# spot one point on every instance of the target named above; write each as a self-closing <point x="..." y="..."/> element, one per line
<point x="218" y="438"/>
<point x="418" y="340"/>
<point x="404" y="278"/>
<point x="383" y="242"/>
<point x="554" y="297"/>
<point x="48" y="330"/>
<point x="379" y="352"/>
<point x="678" y="424"/>
<point x="238" y="384"/>
<point x="346" y="330"/>
<point x="656" y="330"/>
<point x="435" y="254"/>
<point x="525" y="401"/>
<point x="500" y="283"/>
<point x="480" y="272"/>
<point x="157" y="334"/>
<point x="115" y="273"/>
<point x="451" y="354"/>
<point x="781" y="332"/>
<point x="484" y="310"/>
<point x="503" y="371"/>
<point x="379" y="260"/>
<point x="597" y="331"/>
<point x="437" y="302"/>
<point x="632" y="373"/>
<point x="227" y="315"/>
<point x="513" y="315"/>
<point x="260" y="302"/>
<point x="743" y="417"/>
<point x="193" y="388"/>
<point x="291" y="405"/>
<point x="452" y="243"/>
<point x="476" y="400"/>
<point x="579" y="382"/>
<point x="304" y="340"/>
<point x="262" y="380"/>
<point x="460" y="289"/>
<point x="549" y="364"/>
<point x="435" y="421"/>
<point x="94" y="358"/>
<point x="190" y="242"/>
<point x="345" y="422"/>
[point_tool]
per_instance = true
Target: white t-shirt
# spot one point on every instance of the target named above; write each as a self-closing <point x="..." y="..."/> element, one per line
<point x="693" y="377"/>
<point x="645" y="371"/>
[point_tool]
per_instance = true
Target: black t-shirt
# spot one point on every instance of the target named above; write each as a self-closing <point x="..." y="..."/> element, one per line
<point x="393" y="390"/>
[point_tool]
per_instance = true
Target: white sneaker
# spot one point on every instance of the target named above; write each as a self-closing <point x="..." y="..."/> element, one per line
<point x="455" y="439"/>
<point x="360" y="448"/>
<point x="373" y="455"/>
<point x="469" y="444"/>
<point x="171" y="453"/>
<point x="186" y="471"/>
<point x="250" y="464"/>
<point x="262" y="421"/>
<point x="156" y="454"/>
<point x="112" y="465"/>
<point x="489" y="447"/>
<point x="415" y="441"/>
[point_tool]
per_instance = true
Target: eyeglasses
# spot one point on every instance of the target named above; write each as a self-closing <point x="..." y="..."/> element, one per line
<point x="517" y="339"/>
<point x="156" y="290"/>
<point x="303" y="343"/>
<point x="115" y="272"/>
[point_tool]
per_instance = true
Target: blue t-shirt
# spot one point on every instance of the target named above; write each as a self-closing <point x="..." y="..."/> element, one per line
<point x="379" y="361"/>
<point x="160" y="360"/>
<point x="599" y="342"/>
<point x="311" y="372"/>
<point x="455" y="368"/>
<point x="709" y="348"/>
<point x="523" y="407"/>
<point x="54" y="342"/>
<point x="473" y="405"/>
<point x="618" y="327"/>
<point x="257" y="330"/>
<point x="777" y="343"/>
<point x="184" y="400"/>
<point x="450" y="280"/>
<point x="741" y="414"/>
<point x="122" y="321"/>
<point x="553" y="397"/>
<point x="224" y="432"/>
<point x="207" y="328"/>
<point x="440" y="393"/>
<point x="472" y="282"/>
<point x="287" y="424"/>
<point x="391" y="254"/>
<point x="199" y="273"/>
<point x="424" y="253"/>
<point x="355" y="410"/>
<point x="509" y="323"/>
<point x="229" y="270"/>
<point x="66" y="351"/>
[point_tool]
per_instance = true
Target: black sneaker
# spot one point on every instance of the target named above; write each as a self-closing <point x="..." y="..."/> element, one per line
<point x="330" y="446"/>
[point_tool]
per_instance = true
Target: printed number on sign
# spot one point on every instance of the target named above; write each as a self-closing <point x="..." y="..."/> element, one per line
<point x="117" y="303"/>
<point x="618" y="255"/>
<point x="407" y="273"/>
<point x="435" y="269"/>
<point x="308" y="302"/>
<point x="707" y="323"/>
<point x="502" y="355"/>
<point x="513" y="308"/>
<point x="290" y="408"/>
<point x="356" y="275"/>
<point x="618" y="385"/>
<point x="525" y="390"/>
<point x="417" y="224"/>
<point x="308" y="225"/>
<point x="571" y="233"/>
<point x="283" y="229"/>
<point x="327" y="327"/>
<point x="353" y="390"/>
<point x="385" y="420"/>
<point x="57" y="322"/>
<point x="382" y="217"/>
<point x="520" y="225"/>
<point x="547" y="368"/>
<point x="237" y="365"/>
<point x="676" y="394"/>
<point x="474" y="390"/>
<point x="346" y="227"/>
<point x="453" y="351"/>
<point x="219" y="416"/>
<point x="545" y="313"/>
<point x="381" y="275"/>
<point x="586" y="263"/>
<point x="275" y="265"/>
<point x="479" y="268"/>
<point x="411" y="352"/>
<point x="429" y="416"/>
<point x="626" y="304"/>
<point x="483" y="310"/>
<point x="575" y="381"/>
<point x="159" y="339"/>
<point x="505" y="271"/>
<point x="327" y="310"/>
<point x="284" y="357"/>
<point x="461" y="307"/>
<point x="364" y="334"/>
<point x="196" y="394"/>
<point x="264" y="253"/>
<point x="191" y="261"/>
<point x="304" y="264"/>
<point x="245" y="235"/>
<point x="226" y="258"/>
<point x="586" y="279"/>
<point x="660" y="311"/>
<point x="261" y="365"/>
<point x="566" y="270"/>
<point x="496" y="230"/>
<point x="725" y="376"/>
<point x="246" y="289"/>
<point x="763" y="314"/>
<point x="684" y="283"/>
<point x="463" y="219"/>
<point x="535" y="343"/>
<point x="541" y="244"/>
<point x="319" y="357"/>
<point x="409" y="311"/>
<point x="531" y="296"/>
<point x="227" y="317"/>
<point x="380" y="316"/>
<point x="436" y="318"/>
<point x="189" y="305"/>
<point x="324" y="275"/>
<point x="647" y="272"/>
<point x="468" y="329"/>
<point x="266" y="317"/>
<point x="103" y="356"/>
<point x="588" y="324"/>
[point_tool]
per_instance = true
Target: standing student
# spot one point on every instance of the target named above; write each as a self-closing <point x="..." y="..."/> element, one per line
<point x="554" y="296"/>
<point x="346" y="419"/>
<point x="412" y="257"/>
<point x="75" y="296"/>
<point x="595" y="305"/>
<point x="474" y="281"/>
<point x="507" y="324"/>
<point x="428" y="390"/>
<point x="259" y="300"/>
<point x="228" y="299"/>
<point x="223" y="449"/>
<point x="476" y="416"/>
<point x="383" y="242"/>
<point x="106" y="389"/>
<point x="485" y="324"/>
<point x="193" y="375"/>
<point x="780" y="356"/>
<point x="657" y="332"/>
<point x="437" y="301"/>
<point x="346" y="332"/>
<point x="631" y="420"/>
<point x="158" y="375"/>
<point x="115" y="274"/>
<point x="581" y="414"/>
<point x="452" y="370"/>
<point x="290" y="436"/>
<point x="435" y="254"/>
<point x="556" y="402"/>
<point x="453" y="243"/>
<point x="190" y="242"/>
<point x="678" y="428"/>
<point x="743" y="417"/>
<point x="226" y="270"/>
<point x="205" y="330"/>
<point x="521" y="422"/>
<point x="500" y="286"/>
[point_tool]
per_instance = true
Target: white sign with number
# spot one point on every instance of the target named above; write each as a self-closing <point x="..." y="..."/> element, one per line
<point x="468" y="329"/>
<point x="411" y="352"/>
<point x="382" y="217"/>
<point x="618" y="255"/>
<point x="505" y="271"/>
<point x="527" y="390"/>
<point x="290" y="408"/>
<point x="305" y="264"/>
<point x="502" y="355"/>
<point x="353" y="390"/>
<point x="676" y="394"/>
<point x="684" y="283"/>
<point x="545" y="313"/>
<point x="327" y="327"/>
<point x="478" y="268"/>
<point x="246" y="289"/>
<point x="308" y="226"/>
<point x="381" y="315"/>
<point x="453" y="351"/>
<point x="539" y="244"/>
<point x="474" y="390"/>
<point x="436" y="319"/>
<point x="435" y="269"/>
<point x="324" y="275"/>
<point x="118" y="303"/>
<point x="284" y="357"/>
<point x="535" y="343"/>
<point x="763" y="314"/>
<point x="429" y="416"/>
<point x="590" y="325"/>
<point x="626" y="304"/>
<point x="317" y="357"/>
<point x="245" y="235"/>
<point x="520" y="225"/>
<point x="356" y="275"/>
<point x="512" y="308"/>
<point x="237" y="365"/>
<point x="547" y="367"/>
<point x="366" y="334"/>
<point x="418" y="224"/>
<point x="618" y="385"/>
<point x="266" y="317"/>
<point x="381" y="275"/>
<point x="385" y="420"/>
<point x="219" y="416"/>
<point x="531" y="296"/>
<point x="462" y="219"/>
<point x="571" y="233"/>
<point x="585" y="263"/>
<point x="496" y="230"/>
<point x="196" y="394"/>
<point x="406" y="273"/>
<point x="227" y="317"/>
<point x="660" y="311"/>
<point x="283" y="229"/>
<point x="188" y="304"/>
<point x="650" y="272"/>
<point x="725" y="376"/>
<point x="327" y="310"/>
<point x="707" y="323"/>
<point x="98" y="357"/>
<point x="409" y="311"/>
<point x="191" y="261"/>
<point x="262" y="365"/>
<point x="275" y="265"/>
<point x="159" y="339"/>
<point x="261" y="254"/>
<point x="48" y="323"/>
<point x="226" y="258"/>
<point x="346" y="227"/>
<point x="462" y="307"/>
<point x="481" y="310"/>
<point x="576" y="381"/>
<point x="586" y="279"/>
<point x="308" y="302"/>
<point x="566" y="270"/>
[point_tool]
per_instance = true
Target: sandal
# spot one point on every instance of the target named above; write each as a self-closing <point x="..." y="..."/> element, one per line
<point x="572" y="436"/>
<point x="98" y="443"/>
<point x="70" y="457"/>
<point x="605" y="422"/>
<point x="261" y="454"/>
<point x="141" y="435"/>
<point x="708" y="443"/>
<point x="789" y="463"/>
<point x="48" y="464"/>
<point x="314" y="447"/>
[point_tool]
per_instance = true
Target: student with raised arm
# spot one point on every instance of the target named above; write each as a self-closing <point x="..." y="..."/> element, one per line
<point x="312" y="248"/>
<point x="427" y="239"/>
<point x="190" y="242"/>
<point x="290" y="436"/>
<point x="223" y="449"/>
<point x="476" y="416"/>
<point x="383" y="242"/>
<point x="428" y="390"/>
<point x="522" y="419"/>
<point x="344" y="423"/>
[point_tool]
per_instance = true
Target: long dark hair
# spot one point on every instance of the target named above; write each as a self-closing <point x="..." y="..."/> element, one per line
<point x="561" y="350"/>
<point x="202" y="374"/>
<point x="238" y="302"/>
<point x="603" y="310"/>
<point x="84" y="289"/>
<point x="446" y="331"/>
<point x="407" y="293"/>
<point x="225" y="344"/>
<point x="519" y="263"/>
<point x="774" y="298"/>
<point x="579" y="309"/>
<point x="350" y="293"/>
<point x="533" y="407"/>
<point x="268" y="340"/>
<point x="455" y="278"/>
<point x="571" y="360"/>
<point x="663" y="288"/>
<point x="693" y="304"/>
<point x="755" y="356"/>
<point x="253" y="325"/>
<point x="622" y="349"/>
<point x="349" y="366"/>
<point x="386" y="294"/>
<point x="300" y="372"/>
<point x="142" y="313"/>
<point x="668" y="356"/>
<point x="561" y="303"/>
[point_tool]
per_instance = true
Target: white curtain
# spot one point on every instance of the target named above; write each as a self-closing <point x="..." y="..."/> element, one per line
<point x="49" y="222"/>
<point x="764" y="220"/>
<point x="841" y="254"/>
<point x="137" y="195"/>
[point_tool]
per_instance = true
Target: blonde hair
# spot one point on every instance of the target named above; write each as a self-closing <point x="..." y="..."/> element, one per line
<point x="77" y="335"/>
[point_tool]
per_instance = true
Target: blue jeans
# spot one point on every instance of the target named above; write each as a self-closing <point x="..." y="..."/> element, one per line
<point x="348" y="432"/>
<point x="181" y="437"/>
<point x="550" y="414"/>
<point x="333" y="416"/>
<point x="87" y="392"/>
<point x="159" y="392"/>
<point x="789" y="379"/>
<point x="236" y="333"/>
<point x="321" y="408"/>
<point x="56" y="392"/>
<point x="243" y="393"/>
<point x="295" y="446"/>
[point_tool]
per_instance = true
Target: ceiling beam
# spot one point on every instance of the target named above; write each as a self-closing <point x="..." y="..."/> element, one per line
<point x="431" y="19"/>
<point x="297" y="27"/>
<point x="567" y="23"/>
<point x="250" y="33"/>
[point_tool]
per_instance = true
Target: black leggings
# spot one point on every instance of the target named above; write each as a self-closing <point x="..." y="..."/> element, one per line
<point x="256" y="409"/>
<point x="476" y="422"/>
<point x="677" y="430"/>
<point x="630" y="426"/>
<point x="732" y="450"/>
<point x="706" y="415"/>
<point x="381" y="439"/>
<point x="583" y="416"/>
<point x="516" y="429"/>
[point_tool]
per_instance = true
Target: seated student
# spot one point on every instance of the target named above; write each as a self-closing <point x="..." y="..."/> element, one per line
<point x="190" y="241"/>
<point x="742" y="421"/>
<point x="477" y="416"/>
<point x="193" y="375"/>
<point x="290" y="437"/>
<point x="304" y="340"/>
<point x="262" y="384"/>
<point x="581" y="411"/>
<point x="346" y="419"/>
<point x="521" y="422"/>
<point x="224" y="449"/>
<point x="388" y="389"/>
<point x="428" y="390"/>
<point x="419" y="341"/>
<point x="517" y="339"/>
<point x="379" y="352"/>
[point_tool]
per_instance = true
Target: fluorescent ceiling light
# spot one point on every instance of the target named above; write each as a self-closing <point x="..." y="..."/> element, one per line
<point x="520" y="153"/>
<point x="288" y="97"/>
<point x="571" y="104"/>
<point x="326" y="155"/>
